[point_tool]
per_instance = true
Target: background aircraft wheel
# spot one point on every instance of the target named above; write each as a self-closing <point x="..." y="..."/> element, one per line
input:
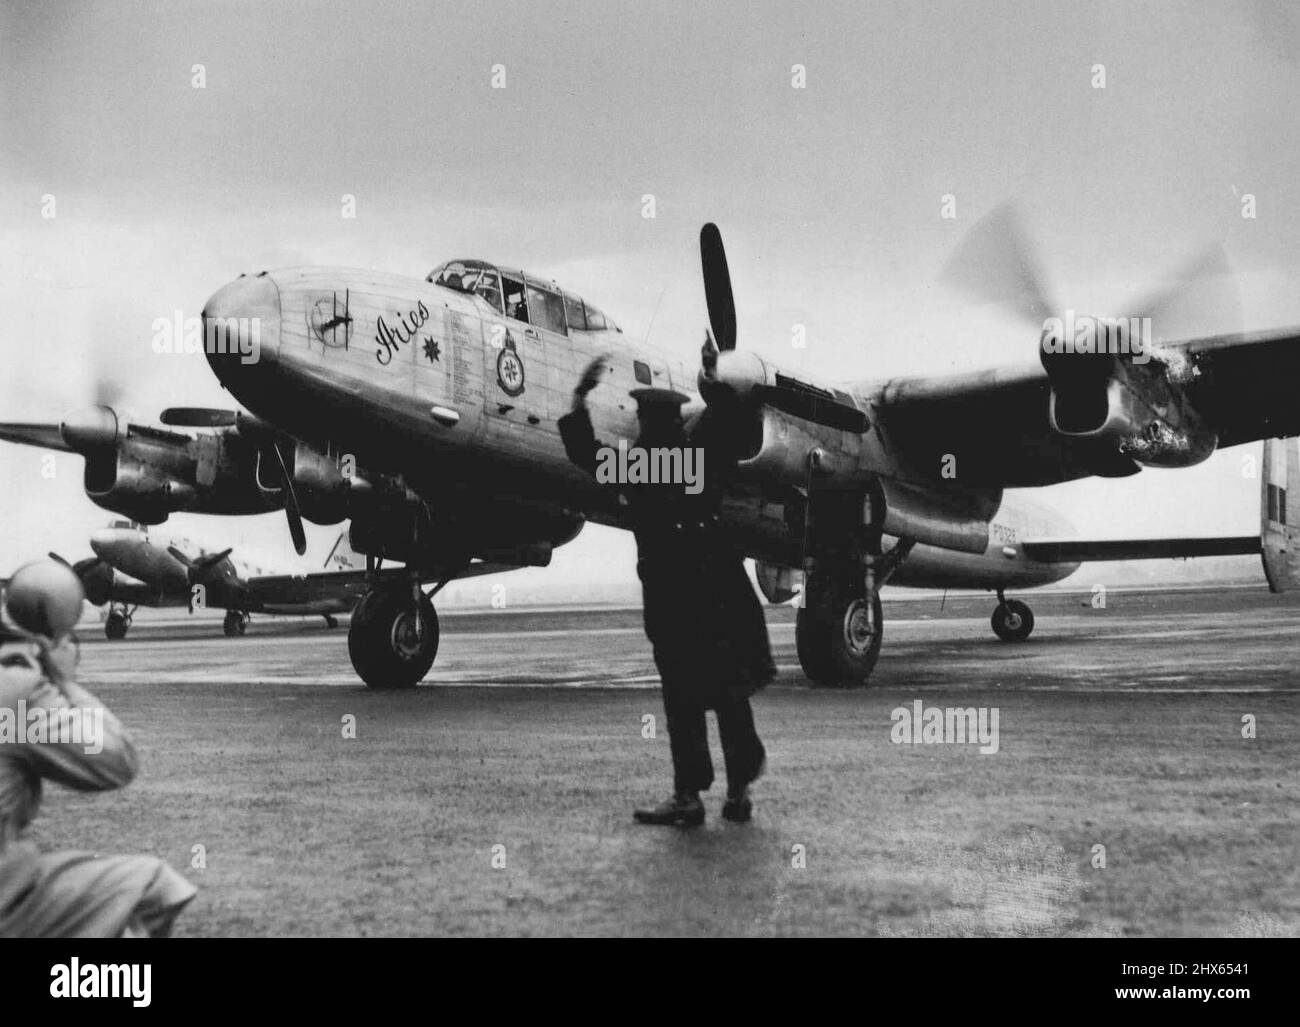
<point x="235" y="624"/>
<point x="331" y="622"/>
<point x="115" y="626"/>
<point x="838" y="639"/>
<point x="1012" y="621"/>
<point x="390" y="646"/>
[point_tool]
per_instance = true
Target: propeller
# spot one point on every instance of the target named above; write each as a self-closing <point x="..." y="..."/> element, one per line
<point x="996" y="263"/>
<point x="726" y="376"/>
<point x="96" y="577"/>
<point x="291" y="510"/>
<point x="717" y="287"/>
<point x="1200" y="298"/>
<point x="199" y="568"/>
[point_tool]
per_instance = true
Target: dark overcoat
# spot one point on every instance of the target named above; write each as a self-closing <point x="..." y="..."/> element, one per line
<point x="701" y="614"/>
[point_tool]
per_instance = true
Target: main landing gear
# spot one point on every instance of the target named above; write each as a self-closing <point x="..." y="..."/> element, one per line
<point x="118" y="621"/>
<point x="236" y="623"/>
<point x="393" y="638"/>
<point x="1012" y="620"/>
<point x="840" y="625"/>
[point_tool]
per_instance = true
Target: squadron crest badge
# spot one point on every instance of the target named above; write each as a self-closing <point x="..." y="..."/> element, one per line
<point x="510" y="368"/>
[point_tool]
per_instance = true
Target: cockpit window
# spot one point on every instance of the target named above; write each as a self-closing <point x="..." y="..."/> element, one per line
<point x="487" y="286"/>
<point x="513" y="291"/>
<point x="545" y="308"/>
<point x="596" y="320"/>
<point x="573" y="313"/>
<point x="472" y="278"/>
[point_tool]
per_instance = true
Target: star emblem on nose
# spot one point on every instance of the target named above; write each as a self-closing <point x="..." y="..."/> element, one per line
<point x="431" y="349"/>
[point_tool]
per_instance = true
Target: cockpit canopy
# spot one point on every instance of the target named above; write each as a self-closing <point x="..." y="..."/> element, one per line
<point x="522" y="297"/>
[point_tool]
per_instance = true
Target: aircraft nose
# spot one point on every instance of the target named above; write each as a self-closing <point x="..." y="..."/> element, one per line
<point x="103" y="541"/>
<point x="241" y="327"/>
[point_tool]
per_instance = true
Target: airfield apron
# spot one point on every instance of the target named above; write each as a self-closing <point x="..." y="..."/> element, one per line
<point x="70" y="894"/>
<point x="701" y="615"/>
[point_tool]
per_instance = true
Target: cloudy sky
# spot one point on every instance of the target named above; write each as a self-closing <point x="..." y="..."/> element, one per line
<point x="829" y="196"/>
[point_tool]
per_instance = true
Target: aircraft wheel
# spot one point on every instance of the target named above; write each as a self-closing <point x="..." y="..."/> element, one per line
<point x="331" y="622"/>
<point x="235" y="624"/>
<point x="115" y="626"/>
<point x="1012" y="621"/>
<point x="392" y="644"/>
<point x="838" y="638"/>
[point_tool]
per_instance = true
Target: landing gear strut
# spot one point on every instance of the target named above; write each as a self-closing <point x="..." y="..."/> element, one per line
<point x="235" y="624"/>
<point x="393" y="637"/>
<point x="117" y="622"/>
<point x="1012" y="620"/>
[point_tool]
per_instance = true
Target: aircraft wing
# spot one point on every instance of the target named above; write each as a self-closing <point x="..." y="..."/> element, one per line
<point x="1072" y="551"/>
<point x="302" y="589"/>
<point x="995" y="424"/>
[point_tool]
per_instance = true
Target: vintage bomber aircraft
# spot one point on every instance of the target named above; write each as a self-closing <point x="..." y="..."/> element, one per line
<point x="132" y="568"/>
<point x="426" y="412"/>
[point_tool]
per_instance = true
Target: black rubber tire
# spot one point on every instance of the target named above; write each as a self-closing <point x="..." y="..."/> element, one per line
<point x="234" y="626"/>
<point x="115" y="627"/>
<point x="838" y="640"/>
<point x="373" y="640"/>
<point x="1012" y="621"/>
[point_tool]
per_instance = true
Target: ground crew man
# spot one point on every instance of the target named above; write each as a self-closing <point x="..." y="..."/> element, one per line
<point x="701" y="615"/>
<point x="53" y="729"/>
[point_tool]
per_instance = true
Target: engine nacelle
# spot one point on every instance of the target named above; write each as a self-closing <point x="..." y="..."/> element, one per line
<point x="322" y="484"/>
<point x="127" y="486"/>
<point x="1148" y="417"/>
<point x="789" y="447"/>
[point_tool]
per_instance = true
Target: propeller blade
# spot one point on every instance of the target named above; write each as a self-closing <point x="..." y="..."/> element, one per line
<point x="717" y="287"/>
<point x="291" y="511"/>
<point x="1200" y="298"/>
<point x="180" y="557"/>
<point x="996" y="263"/>
<point x="198" y="417"/>
<point x="208" y="562"/>
<point x="46" y="436"/>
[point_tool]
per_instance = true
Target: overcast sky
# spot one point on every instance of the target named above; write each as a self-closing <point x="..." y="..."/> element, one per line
<point x="829" y="197"/>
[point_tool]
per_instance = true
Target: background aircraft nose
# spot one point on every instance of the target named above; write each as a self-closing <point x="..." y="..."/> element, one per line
<point x="105" y="540"/>
<point x="241" y="326"/>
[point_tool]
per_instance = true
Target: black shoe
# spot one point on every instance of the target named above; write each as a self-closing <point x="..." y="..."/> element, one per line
<point x="683" y="810"/>
<point x="739" y="810"/>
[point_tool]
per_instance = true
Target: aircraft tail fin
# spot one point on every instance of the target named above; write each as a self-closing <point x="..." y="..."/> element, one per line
<point x="1279" y="513"/>
<point x="343" y="557"/>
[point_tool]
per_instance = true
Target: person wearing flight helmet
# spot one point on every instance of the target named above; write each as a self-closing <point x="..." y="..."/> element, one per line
<point x="52" y="729"/>
<point x="701" y="615"/>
